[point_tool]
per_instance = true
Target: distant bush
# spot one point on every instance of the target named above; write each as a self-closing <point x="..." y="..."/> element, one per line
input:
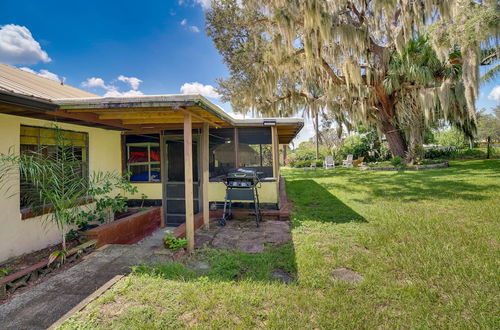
<point x="307" y="163"/>
<point x="451" y="138"/>
<point x="442" y="152"/>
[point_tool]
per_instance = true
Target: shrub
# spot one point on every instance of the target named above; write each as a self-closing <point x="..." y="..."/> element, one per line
<point x="450" y="138"/>
<point x="397" y="161"/>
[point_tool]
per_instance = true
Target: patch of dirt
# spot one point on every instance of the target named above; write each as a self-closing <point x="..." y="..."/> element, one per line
<point x="41" y="279"/>
<point x="347" y="275"/>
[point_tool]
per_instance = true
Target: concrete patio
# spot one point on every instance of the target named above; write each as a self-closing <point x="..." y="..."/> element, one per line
<point x="244" y="235"/>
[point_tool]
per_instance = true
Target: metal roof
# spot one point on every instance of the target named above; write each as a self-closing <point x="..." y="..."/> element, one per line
<point x="18" y="81"/>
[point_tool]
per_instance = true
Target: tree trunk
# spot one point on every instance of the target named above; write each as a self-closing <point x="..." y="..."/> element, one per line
<point x="317" y="136"/>
<point x="395" y="139"/>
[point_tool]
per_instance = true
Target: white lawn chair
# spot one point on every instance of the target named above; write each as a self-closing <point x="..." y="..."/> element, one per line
<point x="348" y="161"/>
<point x="329" y="163"/>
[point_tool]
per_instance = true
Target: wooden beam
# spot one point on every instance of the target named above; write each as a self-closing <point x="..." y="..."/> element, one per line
<point x="201" y="118"/>
<point x="188" y="180"/>
<point x="204" y="174"/>
<point x="88" y="117"/>
<point x="154" y="121"/>
<point x="142" y="115"/>
<point x="275" y="152"/>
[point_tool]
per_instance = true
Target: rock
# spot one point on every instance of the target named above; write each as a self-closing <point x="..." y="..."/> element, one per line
<point x="282" y="275"/>
<point x="346" y="275"/>
<point x="178" y="254"/>
<point x="200" y="266"/>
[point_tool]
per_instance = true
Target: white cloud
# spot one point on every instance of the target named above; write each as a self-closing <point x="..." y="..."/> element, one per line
<point x="17" y="46"/>
<point x="192" y="28"/>
<point x="43" y="73"/>
<point x="205" y="4"/>
<point x="112" y="90"/>
<point x="495" y="93"/>
<point x="95" y="82"/>
<point x="197" y="88"/>
<point x="195" y="29"/>
<point x="132" y="81"/>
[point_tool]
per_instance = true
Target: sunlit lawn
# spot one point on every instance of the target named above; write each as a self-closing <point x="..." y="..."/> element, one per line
<point x="426" y="244"/>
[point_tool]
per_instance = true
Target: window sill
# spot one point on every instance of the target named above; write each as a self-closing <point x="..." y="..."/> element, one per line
<point x="28" y="213"/>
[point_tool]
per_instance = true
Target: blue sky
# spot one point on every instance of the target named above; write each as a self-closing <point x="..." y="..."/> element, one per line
<point x="162" y="44"/>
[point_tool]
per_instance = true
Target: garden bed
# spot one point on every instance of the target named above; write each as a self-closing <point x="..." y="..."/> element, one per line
<point x="407" y="168"/>
<point x="128" y="229"/>
<point x="27" y="274"/>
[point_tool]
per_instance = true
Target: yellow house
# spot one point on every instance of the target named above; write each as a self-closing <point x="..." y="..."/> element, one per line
<point x="176" y="147"/>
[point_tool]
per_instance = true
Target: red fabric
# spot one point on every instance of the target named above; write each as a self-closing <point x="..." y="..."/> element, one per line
<point x="155" y="156"/>
<point x="141" y="156"/>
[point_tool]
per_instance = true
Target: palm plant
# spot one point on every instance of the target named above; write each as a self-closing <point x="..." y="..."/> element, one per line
<point x="55" y="180"/>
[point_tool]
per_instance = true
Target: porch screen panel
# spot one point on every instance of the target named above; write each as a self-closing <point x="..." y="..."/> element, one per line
<point x="221" y="154"/>
<point x="142" y="157"/>
<point x="255" y="149"/>
<point x="42" y="141"/>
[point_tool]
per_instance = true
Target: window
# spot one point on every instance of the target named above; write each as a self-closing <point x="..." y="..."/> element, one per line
<point x="255" y="149"/>
<point x="143" y="157"/>
<point x="221" y="155"/>
<point x="42" y="141"/>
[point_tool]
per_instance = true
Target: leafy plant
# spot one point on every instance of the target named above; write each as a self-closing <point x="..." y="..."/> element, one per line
<point x="102" y="186"/>
<point x="173" y="242"/>
<point x="4" y="271"/>
<point x="72" y="235"/>
<point x="397" y="161"/>
<point x="58" y="254"/>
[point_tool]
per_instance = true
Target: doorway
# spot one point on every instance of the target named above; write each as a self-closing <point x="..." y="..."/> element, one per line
<point x="173" y="184"/>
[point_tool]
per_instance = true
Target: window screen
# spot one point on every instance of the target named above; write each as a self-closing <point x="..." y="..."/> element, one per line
<point x="221" y="156"/>
<point x="255" y="149"/>
<point x="42" y="141"/>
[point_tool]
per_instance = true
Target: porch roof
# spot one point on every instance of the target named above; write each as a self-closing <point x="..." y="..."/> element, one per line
<point x="157" y="112"/>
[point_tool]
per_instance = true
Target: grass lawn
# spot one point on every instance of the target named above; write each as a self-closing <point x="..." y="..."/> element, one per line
<point x="426" y="243"/>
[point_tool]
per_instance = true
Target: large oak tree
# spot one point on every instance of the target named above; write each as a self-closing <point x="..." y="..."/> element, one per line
<point x="356" y="59"/>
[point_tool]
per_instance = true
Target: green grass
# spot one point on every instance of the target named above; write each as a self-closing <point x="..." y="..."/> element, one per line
<point x="426" y="244"/>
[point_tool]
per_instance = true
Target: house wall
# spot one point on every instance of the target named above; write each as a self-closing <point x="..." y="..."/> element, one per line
<point x="268" y="192"/>
<point x="18" y="236"/>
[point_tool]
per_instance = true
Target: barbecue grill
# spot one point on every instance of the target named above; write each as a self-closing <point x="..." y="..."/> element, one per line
<point x="241" y="185"/>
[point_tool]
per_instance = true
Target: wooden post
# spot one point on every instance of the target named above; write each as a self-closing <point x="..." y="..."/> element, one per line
<point x="285" y="146"/>
<point x="275" y="147"/>
<point x="188" y="180"/>
<point x="236" y="148"/>
<point x="163" y="175"/>
<point x="204" y="174"/>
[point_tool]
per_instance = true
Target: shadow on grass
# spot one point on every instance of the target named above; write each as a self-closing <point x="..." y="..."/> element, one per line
<point x="315" y="203"/>
<point x="274" y="264"/>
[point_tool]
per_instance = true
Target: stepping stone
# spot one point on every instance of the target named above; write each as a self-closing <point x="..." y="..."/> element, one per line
<point x="282" y="275"/>
<point x="200" y="266"/>
<point x="347" y="275"/>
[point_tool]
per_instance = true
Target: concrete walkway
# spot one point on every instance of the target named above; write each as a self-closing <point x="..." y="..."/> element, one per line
<point x="42" y="305"/>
